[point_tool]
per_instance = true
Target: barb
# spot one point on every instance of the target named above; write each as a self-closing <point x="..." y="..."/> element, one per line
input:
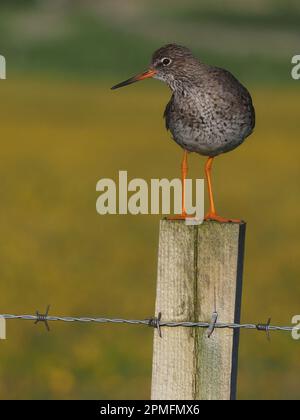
<point x="212" y="325"/>
<point x="265" y="327"/>
<point x="155" y="322"/>
<point x="43" y="318"/>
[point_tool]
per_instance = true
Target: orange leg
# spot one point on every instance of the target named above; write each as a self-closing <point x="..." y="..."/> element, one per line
<point x="184" y="172"/>
<point x="212" y="214"/>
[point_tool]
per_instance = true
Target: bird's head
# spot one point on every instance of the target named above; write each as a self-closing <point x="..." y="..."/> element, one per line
<point x="168" y="64"/>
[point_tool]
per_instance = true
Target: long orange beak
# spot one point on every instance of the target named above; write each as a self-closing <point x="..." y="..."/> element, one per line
<point x="138" y="77"/>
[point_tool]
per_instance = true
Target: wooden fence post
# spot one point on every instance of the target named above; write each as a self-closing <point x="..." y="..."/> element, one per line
<point x="199" y="271"/>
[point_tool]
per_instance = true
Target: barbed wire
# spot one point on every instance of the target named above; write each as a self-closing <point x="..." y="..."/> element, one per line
<point x="155" y="322"/>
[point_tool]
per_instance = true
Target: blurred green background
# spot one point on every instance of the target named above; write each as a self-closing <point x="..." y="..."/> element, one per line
<point x="62" y="130"/>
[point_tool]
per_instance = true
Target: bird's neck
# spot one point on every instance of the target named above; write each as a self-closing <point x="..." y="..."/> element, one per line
<point x="181" y="88"/>
<point x="178" y="86"/>
<point x="190" y="79"/>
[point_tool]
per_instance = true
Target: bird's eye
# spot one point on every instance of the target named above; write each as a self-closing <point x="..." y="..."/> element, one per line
<point x="166" y="61"/>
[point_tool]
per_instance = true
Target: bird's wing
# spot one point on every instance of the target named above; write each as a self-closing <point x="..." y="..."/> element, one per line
<point x="167" y="113"/>
<point x="236" y="93"/>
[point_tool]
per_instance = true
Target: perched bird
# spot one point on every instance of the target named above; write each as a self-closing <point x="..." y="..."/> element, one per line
<point x="210" y="111"/>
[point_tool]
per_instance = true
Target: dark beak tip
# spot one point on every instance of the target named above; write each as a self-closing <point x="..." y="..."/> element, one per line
<point x="122" y="84"/>
<point x="117" y="86"/>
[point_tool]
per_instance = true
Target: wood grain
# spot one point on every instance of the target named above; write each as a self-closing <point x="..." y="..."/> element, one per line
<point x="199" y="271"/>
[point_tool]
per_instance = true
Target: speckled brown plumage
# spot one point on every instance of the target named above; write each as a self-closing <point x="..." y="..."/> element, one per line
<point x="210" y="111"/>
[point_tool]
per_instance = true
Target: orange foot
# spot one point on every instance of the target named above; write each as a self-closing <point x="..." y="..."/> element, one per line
<point x="216" y="218"/>
<point x="182" y="216"/>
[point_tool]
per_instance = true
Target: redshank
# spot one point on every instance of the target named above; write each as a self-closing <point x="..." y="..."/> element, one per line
<point x="210" y="111"/>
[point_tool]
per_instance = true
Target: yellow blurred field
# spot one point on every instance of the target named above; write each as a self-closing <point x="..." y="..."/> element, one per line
<point x="58" y="140"/>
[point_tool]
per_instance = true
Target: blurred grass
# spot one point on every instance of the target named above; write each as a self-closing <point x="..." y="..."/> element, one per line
<point x="283" y="14"/>
<point x="62" y="130"/>
<point x="96" y="40"/>
<point x="58" y="140"/>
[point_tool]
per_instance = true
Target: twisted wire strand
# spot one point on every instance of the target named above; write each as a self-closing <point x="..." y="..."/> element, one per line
<point x="154" y="322"/>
